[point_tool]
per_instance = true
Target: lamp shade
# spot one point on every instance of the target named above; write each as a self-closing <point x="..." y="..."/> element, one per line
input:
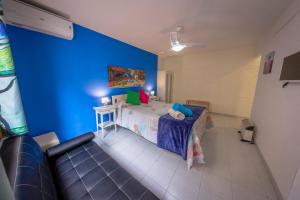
<point x="152" y="92"/>
<point x="105" y="100"/>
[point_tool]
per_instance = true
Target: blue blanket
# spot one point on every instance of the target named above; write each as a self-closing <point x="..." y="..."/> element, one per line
<point x="173" y="134"/>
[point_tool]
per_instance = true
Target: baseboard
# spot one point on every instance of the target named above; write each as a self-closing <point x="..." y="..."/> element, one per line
<point x="270" y="175"/>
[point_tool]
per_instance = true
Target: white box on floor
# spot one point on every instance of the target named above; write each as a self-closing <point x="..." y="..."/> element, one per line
<point x="247" y="135"/>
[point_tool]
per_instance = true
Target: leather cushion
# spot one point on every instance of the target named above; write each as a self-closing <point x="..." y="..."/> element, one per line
<point x="87" y="172"/>
<point x="69" y="145"/>
<point x="27" y="169"/>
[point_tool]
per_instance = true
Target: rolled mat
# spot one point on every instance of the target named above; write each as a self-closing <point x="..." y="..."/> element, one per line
<point x="176" y="114"/>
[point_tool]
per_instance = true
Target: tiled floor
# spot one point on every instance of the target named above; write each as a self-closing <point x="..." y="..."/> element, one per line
<point x="234" y="170"/>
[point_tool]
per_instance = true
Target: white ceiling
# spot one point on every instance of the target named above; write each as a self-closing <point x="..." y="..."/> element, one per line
<point x="146" y="23"/>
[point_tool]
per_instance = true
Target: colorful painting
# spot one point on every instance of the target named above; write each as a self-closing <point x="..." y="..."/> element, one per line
<point x="121" y="77"/>
<point x="11" y="110"/>
<point x="268" y="64"/>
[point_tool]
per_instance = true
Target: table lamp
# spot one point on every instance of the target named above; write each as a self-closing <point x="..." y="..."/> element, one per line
<point x="152" y="92"/>
<point x="105" y="100"/>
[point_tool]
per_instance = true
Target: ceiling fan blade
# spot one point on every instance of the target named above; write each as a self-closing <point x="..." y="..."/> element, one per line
<point x="177" y="44"/>
<point x="196" y="45"/>
<point x="174" y="38"/>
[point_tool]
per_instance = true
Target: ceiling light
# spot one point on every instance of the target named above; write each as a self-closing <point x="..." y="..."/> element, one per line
<point x="178" y="47"/>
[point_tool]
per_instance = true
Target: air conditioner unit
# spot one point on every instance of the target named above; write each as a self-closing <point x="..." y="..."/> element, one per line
<point x="26" y="16"/>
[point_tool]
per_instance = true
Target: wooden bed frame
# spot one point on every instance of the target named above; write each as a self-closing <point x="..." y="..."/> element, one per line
<point x="198" y="103"/>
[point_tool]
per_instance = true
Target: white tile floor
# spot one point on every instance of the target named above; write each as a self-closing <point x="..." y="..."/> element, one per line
<point x="234" y="170"/>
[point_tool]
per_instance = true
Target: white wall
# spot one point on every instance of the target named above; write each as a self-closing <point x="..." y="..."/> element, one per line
<point x="276" y="111"/>
<point x="295" y="191"/>
<point x="226" y="78"/>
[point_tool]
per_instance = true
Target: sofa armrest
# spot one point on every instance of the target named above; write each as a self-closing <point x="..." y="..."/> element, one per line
<point x="69" y="145"/>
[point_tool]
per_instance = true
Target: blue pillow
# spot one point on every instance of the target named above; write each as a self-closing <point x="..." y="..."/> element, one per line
<point x="183" y="109"/>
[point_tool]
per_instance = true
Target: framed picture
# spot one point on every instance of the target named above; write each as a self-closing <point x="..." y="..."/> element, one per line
<point x="268" y="64"/>
<point x="121" y="77"/>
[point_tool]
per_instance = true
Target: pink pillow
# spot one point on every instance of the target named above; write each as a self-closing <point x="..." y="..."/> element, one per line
<point x="144" y="97"/>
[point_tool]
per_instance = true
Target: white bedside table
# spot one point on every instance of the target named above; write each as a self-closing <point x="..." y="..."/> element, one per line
<point x="105" y="110"/>
<point x="154" y="98"/>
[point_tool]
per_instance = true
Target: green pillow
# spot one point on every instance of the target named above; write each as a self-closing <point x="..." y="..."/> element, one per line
<point x="133" y="98"/>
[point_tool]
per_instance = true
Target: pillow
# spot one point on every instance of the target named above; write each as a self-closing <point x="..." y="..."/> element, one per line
<point x="144" y="97"/>
<point x="183" y="109"/>
<point x="133" y="98"/>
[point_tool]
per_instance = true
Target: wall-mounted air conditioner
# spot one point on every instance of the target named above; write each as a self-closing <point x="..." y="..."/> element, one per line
<point x="26" y="16"/>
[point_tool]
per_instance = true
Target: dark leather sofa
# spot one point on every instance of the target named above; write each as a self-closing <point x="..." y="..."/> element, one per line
<point x="76" y="169"/>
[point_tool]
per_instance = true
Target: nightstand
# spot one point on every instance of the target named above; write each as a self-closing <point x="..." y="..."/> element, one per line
<point x="154" y="98"/>
<point x="102" y="111"/>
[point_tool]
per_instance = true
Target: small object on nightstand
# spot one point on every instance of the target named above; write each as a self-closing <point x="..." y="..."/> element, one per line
<point x="46" y="140"/>
<point x="105" y="100"/>
<point x="152" y="92"/>
<point x="154" y="98"/>
<point x="105" y="110"/>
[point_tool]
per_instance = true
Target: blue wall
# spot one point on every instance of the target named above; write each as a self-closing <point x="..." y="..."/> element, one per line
<point x="60" y="80"/>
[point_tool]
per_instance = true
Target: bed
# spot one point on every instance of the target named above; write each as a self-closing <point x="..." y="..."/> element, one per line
<point x="144" y="121"/>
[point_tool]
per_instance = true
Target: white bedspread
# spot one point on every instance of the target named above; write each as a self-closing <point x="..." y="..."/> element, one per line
<point x="142" y="119"/>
